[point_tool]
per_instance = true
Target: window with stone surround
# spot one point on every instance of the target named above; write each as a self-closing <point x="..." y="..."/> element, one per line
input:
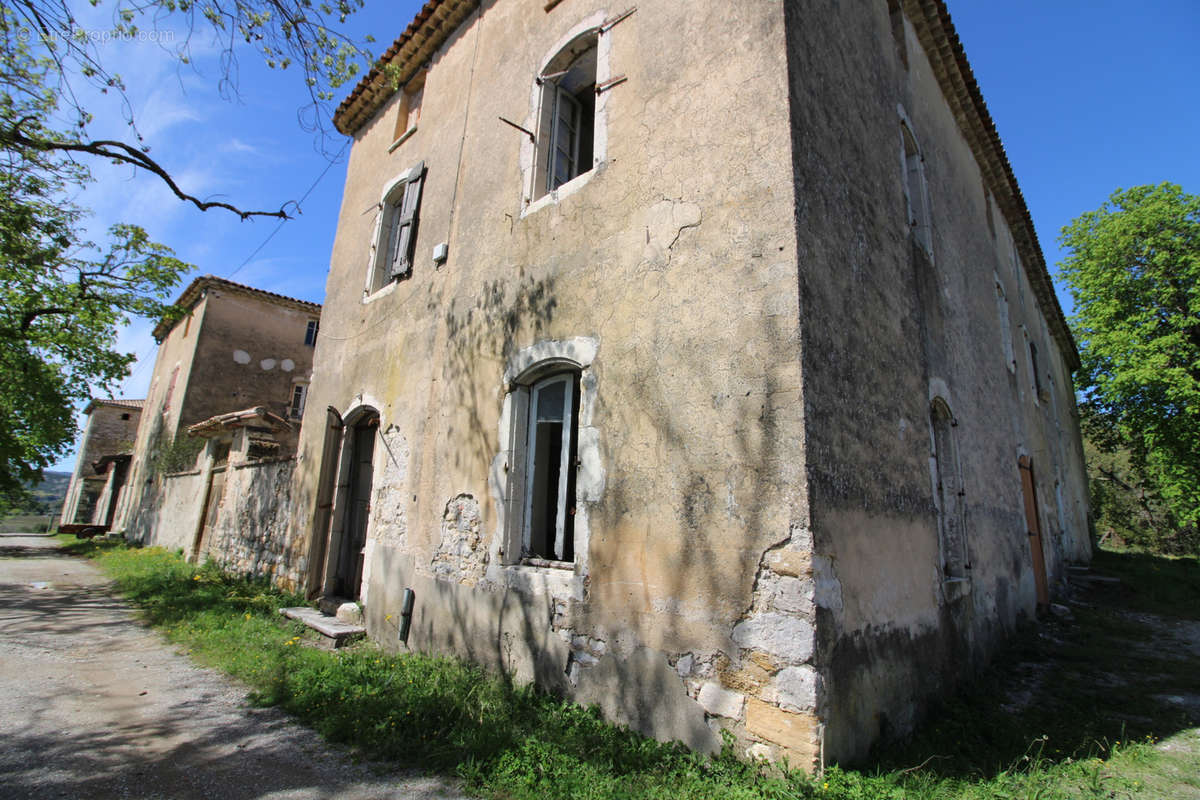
<point x="916" y="193"/>
<point x="566" y="127"/>
<point x="396" y="230"/>
<point x="549" y="472"/>
<point x="547" y="457"/>
<point x="948" y="491"/>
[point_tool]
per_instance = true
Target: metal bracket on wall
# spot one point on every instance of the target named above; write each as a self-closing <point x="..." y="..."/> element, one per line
<point x="610" y="83"/>
<point x="608" y="24"/>
<point x="525" y="131"/>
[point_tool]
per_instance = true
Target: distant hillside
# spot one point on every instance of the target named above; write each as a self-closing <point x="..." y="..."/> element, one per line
<point x="47" y="496"/>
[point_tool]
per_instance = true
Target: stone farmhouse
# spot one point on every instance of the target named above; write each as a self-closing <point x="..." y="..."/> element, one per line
<point x="217" y="437"/>
<point x="698" y="360"/>
<point x="98" y="482"/>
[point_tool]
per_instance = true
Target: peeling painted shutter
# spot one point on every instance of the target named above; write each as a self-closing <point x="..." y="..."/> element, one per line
<point x="404" y="225"/>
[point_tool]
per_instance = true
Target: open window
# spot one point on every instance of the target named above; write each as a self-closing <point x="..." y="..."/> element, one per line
<point x="550" y="447"/>
<point x="397" y="231"/>
<point x="544" y="460"/>
<point x="310" y="332"/>
<point x="299" y="395"/>
<point x="567" y="124"/>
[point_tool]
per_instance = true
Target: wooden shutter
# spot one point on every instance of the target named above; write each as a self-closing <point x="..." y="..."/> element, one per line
<point x="564" y="139"/>
<point x="405" y="224"/>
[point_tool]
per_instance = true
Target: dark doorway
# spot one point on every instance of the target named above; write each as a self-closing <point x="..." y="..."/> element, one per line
<point x="348" y="575"/>
<point x="120" y="469"/>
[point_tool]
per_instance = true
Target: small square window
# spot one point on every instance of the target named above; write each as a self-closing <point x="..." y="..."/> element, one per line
<point x="409" y="112"/>
<point x="310" y="334"/>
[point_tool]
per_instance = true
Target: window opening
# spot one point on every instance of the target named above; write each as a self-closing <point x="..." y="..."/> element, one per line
<point x="310" y="334"/>
<point x="409" y="112"/>
<point x="1033" y="364"/>
<point x="915" y="189"/>
<point x="897" y="20"/>
<point x="398" y="229"/>
<point x="567" y="130"/>
<point x="170" y="390"/>
<point x="296" y="410"/>
<point x="1006" y="343"/>
<point x="550" y="480"/>
<point x="949" y="492"/>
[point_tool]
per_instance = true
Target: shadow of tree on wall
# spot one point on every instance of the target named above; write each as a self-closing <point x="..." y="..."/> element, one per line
<point x="724" y="489"/>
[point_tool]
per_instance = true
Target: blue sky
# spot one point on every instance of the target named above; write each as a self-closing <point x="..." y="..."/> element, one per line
<point x="1087" y="96"/>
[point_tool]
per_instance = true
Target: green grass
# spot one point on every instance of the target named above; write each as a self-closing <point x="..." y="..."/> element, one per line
<point x="514" y="742"/>
<point x="1155" y="583"/>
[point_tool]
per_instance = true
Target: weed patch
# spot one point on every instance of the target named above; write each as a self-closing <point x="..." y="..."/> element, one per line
<point x="516" y="743"/>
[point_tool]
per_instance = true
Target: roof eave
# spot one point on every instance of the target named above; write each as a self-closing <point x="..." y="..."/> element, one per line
<point x="433" y="25"/>
<point x="934" y="28"/>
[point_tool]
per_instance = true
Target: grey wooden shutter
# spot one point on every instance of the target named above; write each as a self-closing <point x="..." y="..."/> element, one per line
<point x="564" y="139"/>
<point x="406" y="223"/>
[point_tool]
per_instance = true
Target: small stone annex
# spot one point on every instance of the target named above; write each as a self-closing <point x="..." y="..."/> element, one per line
<point x="98" y="481"/>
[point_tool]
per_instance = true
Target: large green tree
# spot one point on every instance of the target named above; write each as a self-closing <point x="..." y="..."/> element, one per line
<point x="1133" y="269"/>
<point x="63" y="297"/>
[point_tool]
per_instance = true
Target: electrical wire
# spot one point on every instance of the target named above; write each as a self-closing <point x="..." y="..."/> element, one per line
<point x="144" y="359"/>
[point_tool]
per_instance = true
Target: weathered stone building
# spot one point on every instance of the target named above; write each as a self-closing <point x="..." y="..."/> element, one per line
<point x="98" y="482"/>
<point x="698" y="360"/>
<point x="235" y="367"/>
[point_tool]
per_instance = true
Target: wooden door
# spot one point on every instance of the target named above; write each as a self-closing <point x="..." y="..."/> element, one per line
<point x="212" y="505"/>
<point x="1034" y="529"/>
<point x="358" y="511"/>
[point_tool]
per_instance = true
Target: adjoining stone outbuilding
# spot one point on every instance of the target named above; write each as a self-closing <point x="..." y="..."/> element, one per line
<point x="99" y="479"/>
<point x="695" y="359"/>
<point x="227" y="392"/>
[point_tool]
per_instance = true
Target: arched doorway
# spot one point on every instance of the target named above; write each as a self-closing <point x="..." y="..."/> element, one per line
<point x="351" y="506"/>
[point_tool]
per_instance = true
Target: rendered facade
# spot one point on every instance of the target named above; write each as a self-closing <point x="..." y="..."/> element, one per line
<point x="698" y="360"/>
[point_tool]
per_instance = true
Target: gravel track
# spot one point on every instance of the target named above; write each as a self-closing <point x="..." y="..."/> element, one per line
<point x="95" y="705"/>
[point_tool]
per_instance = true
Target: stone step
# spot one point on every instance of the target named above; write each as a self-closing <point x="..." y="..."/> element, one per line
<point x="336" y="633"/>
<point x="1093" y="579"/>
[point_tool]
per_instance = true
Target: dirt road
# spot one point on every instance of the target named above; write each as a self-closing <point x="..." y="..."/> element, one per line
<point x="92" y="705"/>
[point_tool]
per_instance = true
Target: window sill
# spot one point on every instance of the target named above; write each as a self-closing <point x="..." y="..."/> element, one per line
<point x="546" y="563"/>
<point x="956" y="588"/>
<point x="382" y="291"/>
<point x="569" y="188"/>
<point x="404" y="137"/>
